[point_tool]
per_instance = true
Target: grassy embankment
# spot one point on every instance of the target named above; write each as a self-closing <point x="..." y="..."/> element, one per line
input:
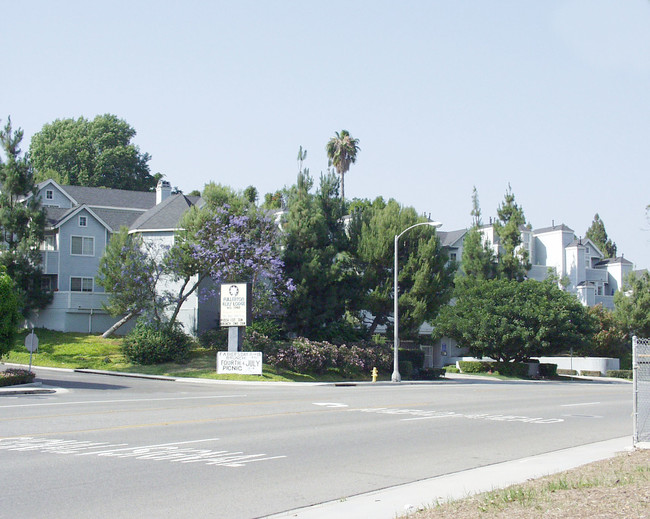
<point x="84" y="351"/>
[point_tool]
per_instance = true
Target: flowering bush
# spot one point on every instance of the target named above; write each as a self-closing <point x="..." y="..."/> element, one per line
<point x="305" y="356"/>
<point x="14" y="376"/>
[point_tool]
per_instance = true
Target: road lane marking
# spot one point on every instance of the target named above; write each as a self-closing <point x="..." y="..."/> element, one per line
<point x="82" y="402"/>
<point x="171" y="452"/>
<point x="154" y="446"/>
<point x="584" y="403"/>
<point x="419" y="414"/>
<point x="330" y="404"/>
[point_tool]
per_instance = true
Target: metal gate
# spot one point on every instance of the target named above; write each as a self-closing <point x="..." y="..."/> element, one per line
<point x="641" y="368"/>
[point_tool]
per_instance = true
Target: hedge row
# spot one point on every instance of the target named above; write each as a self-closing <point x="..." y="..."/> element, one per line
<point x="620" y="373"/>
<point x="304" y="356"/>
<point x="513" y="369"/>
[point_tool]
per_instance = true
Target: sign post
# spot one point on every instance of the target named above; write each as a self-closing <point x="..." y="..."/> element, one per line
<point x="31" y="343"/>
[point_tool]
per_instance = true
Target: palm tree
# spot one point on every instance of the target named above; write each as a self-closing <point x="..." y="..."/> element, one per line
<point x="342" y="151"/>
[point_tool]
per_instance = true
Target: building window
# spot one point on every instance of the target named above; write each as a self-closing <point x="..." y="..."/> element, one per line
<point x="452" y="256"/>
<point x="83" y="221"/>
<point x="49" y="194"/>
<point x="49" y="242"/>
<point x="81" y="284"/>
<point x="82" y="245"/>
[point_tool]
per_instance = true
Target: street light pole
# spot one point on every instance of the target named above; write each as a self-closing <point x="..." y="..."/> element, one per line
<point x="396" y="377"/>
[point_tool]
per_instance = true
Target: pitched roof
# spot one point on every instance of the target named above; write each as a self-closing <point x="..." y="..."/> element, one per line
<point x="105" y="197"/>
<point x="560" y="227"/>
<point x="450" y="238"/>
<point x="610" y="261"/>
<point x="166" y="215"/>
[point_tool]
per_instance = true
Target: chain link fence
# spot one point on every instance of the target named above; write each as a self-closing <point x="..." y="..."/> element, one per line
<point x="641" y="368"/>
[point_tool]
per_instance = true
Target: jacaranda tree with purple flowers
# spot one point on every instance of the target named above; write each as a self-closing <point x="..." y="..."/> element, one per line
<point x="226" y="245"/>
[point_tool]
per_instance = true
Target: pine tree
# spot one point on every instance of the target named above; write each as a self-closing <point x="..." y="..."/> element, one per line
<point x="478" y="260"/>
<point x="513" y="260"/>
<point x="597" y="234"/>
<point x="22" y="223"/>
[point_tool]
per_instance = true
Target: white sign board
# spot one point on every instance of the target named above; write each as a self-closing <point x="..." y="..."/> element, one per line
<point x="31" y="343"/>
<point x="234" y="304"/>
<point x="239" y="362"/>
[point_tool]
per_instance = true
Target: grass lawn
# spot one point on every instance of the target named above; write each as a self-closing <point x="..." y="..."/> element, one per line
<point x="84" y="351"/>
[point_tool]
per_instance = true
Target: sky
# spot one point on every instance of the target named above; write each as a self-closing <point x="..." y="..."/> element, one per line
<point x="551" y="98"/>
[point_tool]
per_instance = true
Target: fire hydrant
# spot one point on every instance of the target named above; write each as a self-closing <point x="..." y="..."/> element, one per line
<point x="374" y="374"/>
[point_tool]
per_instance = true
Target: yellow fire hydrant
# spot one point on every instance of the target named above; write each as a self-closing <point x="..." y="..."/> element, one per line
<point x="374" y="374"/>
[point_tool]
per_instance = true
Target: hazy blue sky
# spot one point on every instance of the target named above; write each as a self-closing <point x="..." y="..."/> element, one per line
<point x="552" y="97"/>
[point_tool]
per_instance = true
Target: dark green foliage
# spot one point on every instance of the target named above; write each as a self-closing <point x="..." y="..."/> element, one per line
<point x="149" y="343"/>
<point x="9" y="313"/>
<point x="96" y="153"/>
<point x="271" y="328"/>
<point x="610" y="339"/>
<point x="509" y="320"/>
<point x="342" y="152"/>
<point x="633" y="305"/>
<point x="510" y="369"/>
<point x="22" y="223"/>
<point x="425" y="277"/>
<point x="429" y="373"/>
<point x="620" y="373"/>
<point x="479" y="260"/>
<point x="316" y="258"/>
<point x="598" y="235"/>
<point x="214" y="339"/>
<point x="129" y="272"/>
<point x="474" y="366"/>
<point x="547" y="370"/>
<point x="406" y="369"/>
<point x="415" y="357"/>
<point x="513" y="262"/>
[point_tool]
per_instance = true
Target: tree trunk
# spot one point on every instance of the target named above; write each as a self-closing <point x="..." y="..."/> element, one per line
<point x="118" y="324"/>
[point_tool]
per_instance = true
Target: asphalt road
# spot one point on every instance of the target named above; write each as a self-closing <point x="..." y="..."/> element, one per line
<point x="120" y="447"/>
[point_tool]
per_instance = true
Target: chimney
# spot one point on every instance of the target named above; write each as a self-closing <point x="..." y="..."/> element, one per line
<point x="163" y="191"/>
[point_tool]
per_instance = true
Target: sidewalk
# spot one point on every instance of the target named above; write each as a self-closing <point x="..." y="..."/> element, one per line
<point x="395" y="501"/>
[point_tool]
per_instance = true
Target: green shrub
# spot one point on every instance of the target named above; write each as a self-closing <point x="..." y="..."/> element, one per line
<point x="450" y="368"/>
<point x="511" y="369"/>
<point x="270" y="328"/>
<point x="214" y="339"/>
<point x="566" y="372"/>
<point x="13" y="376"/>
<point x="150" y="343"/>
<point x="620" y="373"/>
<point x="406" y="368"/>
<point x="589" y="373"/>
<point x="474" y="366"/>
<point x="415" y="357"/>
<point x="547" y="370"/>
<point x="429" y="373"/>
<point x="9" y="313"/>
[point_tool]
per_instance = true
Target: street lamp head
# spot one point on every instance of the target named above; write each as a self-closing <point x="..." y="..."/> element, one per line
<point x="435" y="224"/>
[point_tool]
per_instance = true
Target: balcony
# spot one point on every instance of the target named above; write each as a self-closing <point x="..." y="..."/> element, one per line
<point x="596" y="275"/>
<point x="78" y="301"/>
